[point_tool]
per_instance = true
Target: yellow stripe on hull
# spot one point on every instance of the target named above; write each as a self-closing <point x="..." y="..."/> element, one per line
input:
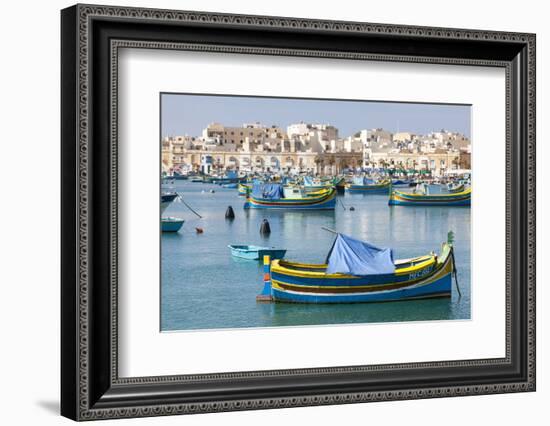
<point x="454" y="195"/>
<point x="277" y="266"/>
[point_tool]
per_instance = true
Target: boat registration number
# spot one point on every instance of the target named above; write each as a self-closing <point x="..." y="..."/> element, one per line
<point x="420" y="274"/>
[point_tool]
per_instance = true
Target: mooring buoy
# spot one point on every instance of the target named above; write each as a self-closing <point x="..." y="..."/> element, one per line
<point x="265" y="228"/>
<point x="352" y="209"/>
<point x="229" y="213"/>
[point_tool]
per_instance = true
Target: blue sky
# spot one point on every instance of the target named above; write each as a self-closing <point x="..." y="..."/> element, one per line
<point x="189" y="114"/>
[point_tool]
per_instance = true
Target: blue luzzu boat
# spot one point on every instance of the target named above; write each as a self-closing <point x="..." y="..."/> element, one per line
<point x="311" y="185"/>
<point x="359" y="272"/>
<point x="399" y="198"/>
<point x="369" y="186"/>
<point x="255" y="252"/>
<point x="230" y="177"/>
<point x="276" y="196"/>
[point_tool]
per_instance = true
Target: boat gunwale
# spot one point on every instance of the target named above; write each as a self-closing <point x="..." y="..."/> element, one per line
<point x="278" y="268"/>
<point x="438" y="273"/>
<point x="466" y="193"/>
<point x="324" y="265"/>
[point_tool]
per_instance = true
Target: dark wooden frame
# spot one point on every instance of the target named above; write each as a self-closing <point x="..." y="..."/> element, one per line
<point x="90" y="386"/>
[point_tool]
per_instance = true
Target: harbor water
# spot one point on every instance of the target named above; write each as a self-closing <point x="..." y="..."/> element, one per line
<point x="204" y="287"/>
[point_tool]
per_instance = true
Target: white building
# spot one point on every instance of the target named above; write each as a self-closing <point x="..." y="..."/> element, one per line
<point x="313" y="137"/>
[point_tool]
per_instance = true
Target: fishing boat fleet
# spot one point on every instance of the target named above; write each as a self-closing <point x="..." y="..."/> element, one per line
<point x="275" y="195"/>
<point x="354" y="271"/>
<point x="279" y="196"/>
<point x="307" y="193"/>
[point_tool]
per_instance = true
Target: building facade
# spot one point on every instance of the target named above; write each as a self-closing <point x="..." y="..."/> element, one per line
<point x="312" y="148"/>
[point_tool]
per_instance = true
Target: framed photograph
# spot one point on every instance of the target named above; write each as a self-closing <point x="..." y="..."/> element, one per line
<point x="263" y="212"/>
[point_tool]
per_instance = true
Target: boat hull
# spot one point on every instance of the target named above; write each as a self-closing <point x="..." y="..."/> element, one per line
<point x="325" y="201"/>
<point x="171" y="224"/>
<point x="398" y="198"/>
<point x="440" y="287"/>
<point x="256" y="253"/>
<point x="315" y="287"/>
<point x="166" y="199"/>
<point x="369" y="189"/>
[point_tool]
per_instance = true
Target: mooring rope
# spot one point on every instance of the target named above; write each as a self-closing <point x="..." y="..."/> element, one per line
<point x="341" y="202"/>
<point x="180" y="198"/>
<point x="455" y="273"/>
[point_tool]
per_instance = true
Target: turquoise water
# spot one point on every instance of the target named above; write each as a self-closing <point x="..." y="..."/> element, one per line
<point x="204" y="287"/>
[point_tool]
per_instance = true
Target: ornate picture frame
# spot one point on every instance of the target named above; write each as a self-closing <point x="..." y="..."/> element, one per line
<point x="91" y="386"/>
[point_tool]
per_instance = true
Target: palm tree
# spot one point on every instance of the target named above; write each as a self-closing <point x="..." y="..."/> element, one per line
<point x="456" y="162"/>
<point x="331" y="162"/>
<point x="318" y="161"/>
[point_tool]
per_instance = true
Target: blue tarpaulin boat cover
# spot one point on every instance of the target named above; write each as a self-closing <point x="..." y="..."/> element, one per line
<point x="268" y="191"/>
<point x="355" y="257"/>
<point x="231" y="174"/>
<point x="308" y="181"/>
